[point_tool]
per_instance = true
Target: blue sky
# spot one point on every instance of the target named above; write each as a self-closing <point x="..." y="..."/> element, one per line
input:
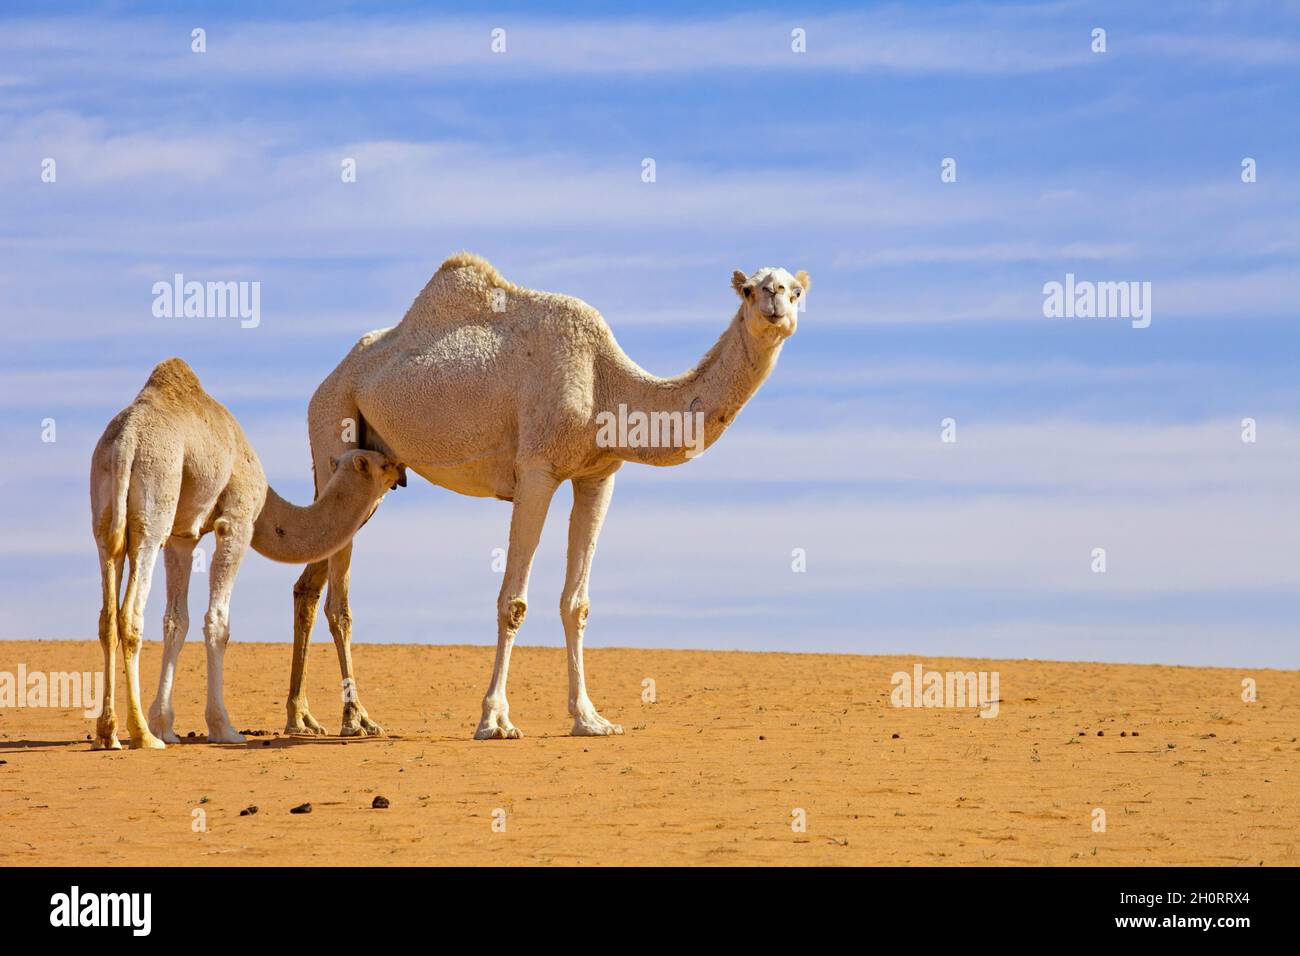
<point x="927" y="302"/>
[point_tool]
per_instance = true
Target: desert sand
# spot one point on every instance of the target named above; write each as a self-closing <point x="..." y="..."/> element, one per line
<point x="1185" y="771"/>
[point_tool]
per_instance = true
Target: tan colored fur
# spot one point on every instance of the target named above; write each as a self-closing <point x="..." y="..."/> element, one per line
<point x="169" y="468"/>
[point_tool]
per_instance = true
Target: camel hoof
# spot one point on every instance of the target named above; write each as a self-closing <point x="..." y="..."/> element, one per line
<point x="111" y="744"/>
<point x="304" y="730"/>
<point x="227" y="736"/>
<point x="362" y="728"/>
<point x="147" y="742"/>
<point x="304" y="725"/>
<point x="594" y="726"/>
<point x="163" y="732"/>
<point x="498" y="732"/>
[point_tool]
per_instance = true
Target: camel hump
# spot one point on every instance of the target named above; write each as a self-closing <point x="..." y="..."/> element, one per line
<point x="464" y="285"/>
<point x="477" y="265"/>
<point x="175" y="376"/>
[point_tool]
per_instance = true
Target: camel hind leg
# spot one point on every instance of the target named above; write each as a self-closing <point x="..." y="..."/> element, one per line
<point x="110" y="570"/>
<point x="178" y="561"/>
<point x="143" y="549"/>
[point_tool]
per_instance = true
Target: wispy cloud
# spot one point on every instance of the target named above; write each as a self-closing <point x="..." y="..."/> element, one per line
<point x="926" y="303"/>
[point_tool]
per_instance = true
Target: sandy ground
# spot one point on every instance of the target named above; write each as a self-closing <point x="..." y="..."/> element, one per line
<point x="707" y="775"/>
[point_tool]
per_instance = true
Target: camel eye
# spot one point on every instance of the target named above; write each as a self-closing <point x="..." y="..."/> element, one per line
<point x="795" y="292"/>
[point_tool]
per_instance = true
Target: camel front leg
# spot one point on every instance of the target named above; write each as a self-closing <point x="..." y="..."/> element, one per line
<point x="178" y="561"/>
<point x="306" y="599"/>
<point x="533" y="493"/>
<point x="590" y="502"/>
<point x="232" y="543"/>
<point x="356" y="722"/>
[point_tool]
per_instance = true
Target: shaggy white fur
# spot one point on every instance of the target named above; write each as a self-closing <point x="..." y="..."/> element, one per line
<point x="493" y="390"/>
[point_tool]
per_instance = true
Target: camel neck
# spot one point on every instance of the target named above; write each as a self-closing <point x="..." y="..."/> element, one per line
<point x="298" y="535"/>
<point x="705" y="399"/>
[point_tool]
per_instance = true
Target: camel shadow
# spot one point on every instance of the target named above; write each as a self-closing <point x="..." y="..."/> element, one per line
<point x="258" y="742"/>
<point x="312" y="740"/>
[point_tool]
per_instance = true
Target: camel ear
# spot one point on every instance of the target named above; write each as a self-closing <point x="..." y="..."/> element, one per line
<point x="362" y="464"/>
<point x="740" y="282"/>
<point x="804" y="279"/>
<point x="334" y="464"/>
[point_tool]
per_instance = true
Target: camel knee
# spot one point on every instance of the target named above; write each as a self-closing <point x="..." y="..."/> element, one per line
<point x="175" y="624"/>
<point x="339" y="617"/>
<point x="511" y="613"/>
<point x="130" y="633"/>
<point x="574" y="610"/>
<point x="108" y="627"/>
<point x="310" y="583"/>
<point x="131" y="641"/>
<point x="216" y="627"/>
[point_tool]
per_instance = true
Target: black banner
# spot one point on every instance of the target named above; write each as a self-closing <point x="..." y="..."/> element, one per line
<point x="329" y="905"/>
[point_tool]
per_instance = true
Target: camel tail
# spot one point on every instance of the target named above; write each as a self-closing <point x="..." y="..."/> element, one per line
<point x="111" y="534"/>
<point x="123" y="457"/>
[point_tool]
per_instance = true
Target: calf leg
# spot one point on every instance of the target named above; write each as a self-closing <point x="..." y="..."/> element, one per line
<point x="144" y="550"/>
<point x="178" y="558"/>
<point x="232" y="542"/>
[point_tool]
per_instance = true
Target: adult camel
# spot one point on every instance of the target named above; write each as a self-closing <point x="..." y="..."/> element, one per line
<point x="497" y="391"/>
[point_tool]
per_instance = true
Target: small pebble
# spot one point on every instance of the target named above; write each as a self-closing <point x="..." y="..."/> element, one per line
<point x="302" y="808"/>
<point x="893" y="736"/>
<point x="761" y="737"/>
<point x="247" y="811"/>
<point x="190" y="734"/>
<point x="1101" y="733"/>
<point x="379" y="803"/>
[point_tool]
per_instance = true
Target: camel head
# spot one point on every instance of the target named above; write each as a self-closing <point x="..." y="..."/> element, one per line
<point x="770" y="302"/>
<point x="368" y="467"/>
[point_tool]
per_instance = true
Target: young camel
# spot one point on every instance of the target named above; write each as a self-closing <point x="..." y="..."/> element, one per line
<point x="170" y="467"/>
<point x="493" y="390"/>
